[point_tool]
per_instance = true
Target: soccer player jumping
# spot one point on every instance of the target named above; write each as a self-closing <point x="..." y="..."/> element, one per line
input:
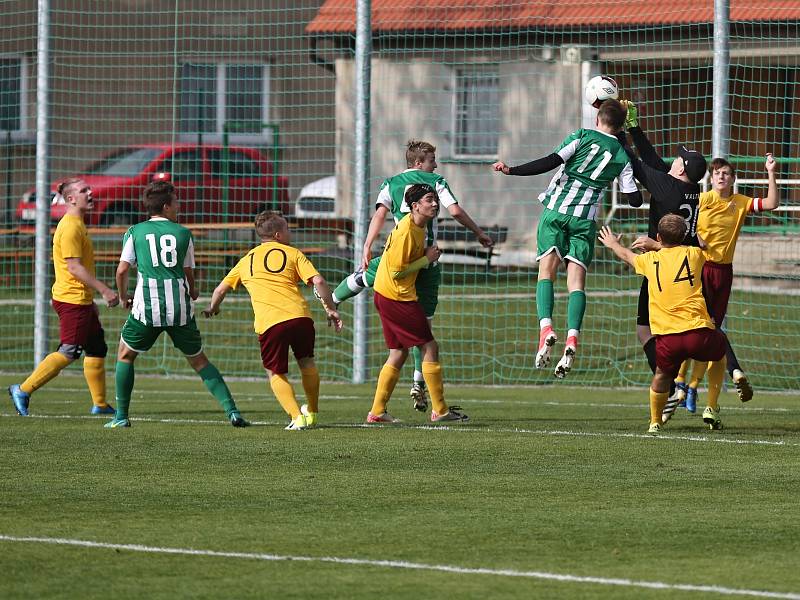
<point x="588" y="161"/>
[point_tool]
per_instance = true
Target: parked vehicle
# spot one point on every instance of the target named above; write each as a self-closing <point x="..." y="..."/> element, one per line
<point x="317" y="199"/>
<point x="198" y="172"/>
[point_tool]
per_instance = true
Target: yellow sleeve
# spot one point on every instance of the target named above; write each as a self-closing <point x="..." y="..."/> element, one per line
<point x="305" y="269"/>
<point x="640" y="263"/>
<point x="71" y="242"/>
<point x="233" y="279"/>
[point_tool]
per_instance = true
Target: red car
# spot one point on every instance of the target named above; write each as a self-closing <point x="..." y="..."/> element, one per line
<point x="198" y="172"/>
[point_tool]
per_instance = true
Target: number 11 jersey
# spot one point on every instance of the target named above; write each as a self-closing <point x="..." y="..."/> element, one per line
<point x="160" y="249"/>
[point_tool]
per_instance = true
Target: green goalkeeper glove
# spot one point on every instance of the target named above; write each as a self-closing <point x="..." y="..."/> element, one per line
<point x="632" y="118"/>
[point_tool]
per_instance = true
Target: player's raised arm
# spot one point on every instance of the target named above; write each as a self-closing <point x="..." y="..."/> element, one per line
<point x="772" y="201"/>
<point x="611" y="241"/>
<point x="535" y="167"/>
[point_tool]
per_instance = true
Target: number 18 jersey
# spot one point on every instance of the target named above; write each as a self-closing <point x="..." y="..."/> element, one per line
<point x="160" y="249"/>
<point x="592" y="159"/>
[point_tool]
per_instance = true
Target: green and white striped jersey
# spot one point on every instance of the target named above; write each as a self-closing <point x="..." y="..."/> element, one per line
<point x="592" y="159"/>
<point x="393" y="190"/>
<point x="160" y="249"/>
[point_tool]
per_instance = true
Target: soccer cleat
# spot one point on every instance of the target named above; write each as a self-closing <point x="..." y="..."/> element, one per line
<point x="311" y="417"/>
<point x="547" y="339"/>
<point x="237" y="420"/>
<point x="103" y="410"/>
<point x="680" y="393"/>
<point x="297" y="424"/>
<point x="381" y="418"/>
<point x="114" y="423"/>
<point x="20" y="399"/>
<point x="453" y="415"/>
<point x="655" y="427"/>
<point x="743" y="387"/>
<point x="711" y="418"/>
<point x="669" y="409"/>
<point x="419" y="396"/>
<point x="691" y="399"/>
<point x="565" y="364"/>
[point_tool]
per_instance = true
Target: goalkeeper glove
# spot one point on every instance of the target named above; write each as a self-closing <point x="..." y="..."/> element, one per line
<point x="632" y="118"/>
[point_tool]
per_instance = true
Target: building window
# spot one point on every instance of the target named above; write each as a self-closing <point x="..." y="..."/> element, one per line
<point x="212" y="95"/>
<point x="477" y="111"/>
<point x="12" y="93"/>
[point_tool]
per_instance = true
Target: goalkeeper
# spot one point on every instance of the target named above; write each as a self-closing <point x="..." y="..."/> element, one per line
<point x="421" y="162"/>
<point x="588" y="160"/>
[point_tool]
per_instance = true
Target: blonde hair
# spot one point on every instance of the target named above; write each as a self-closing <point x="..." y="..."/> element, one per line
<point x="417" y="150"/>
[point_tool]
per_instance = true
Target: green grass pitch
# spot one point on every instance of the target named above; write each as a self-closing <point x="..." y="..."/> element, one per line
<point x="549" y="492"/>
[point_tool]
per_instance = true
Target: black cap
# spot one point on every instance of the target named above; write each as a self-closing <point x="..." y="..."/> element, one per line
<point x="417" y="191"/>
<point x="694" y="163"/>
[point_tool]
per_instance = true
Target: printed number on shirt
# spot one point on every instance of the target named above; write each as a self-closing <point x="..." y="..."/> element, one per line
<point x="679" y="276"/>
<point x="594" y="149"/>
<point x="274" y="261"/>
<point x="166" y="249"/>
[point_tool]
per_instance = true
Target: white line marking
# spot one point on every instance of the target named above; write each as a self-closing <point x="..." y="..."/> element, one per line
<point x="399" y="564"/>
<point x="718" y="439"/>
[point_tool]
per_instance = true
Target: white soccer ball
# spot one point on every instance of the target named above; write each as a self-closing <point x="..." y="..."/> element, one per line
<point x="601" y="88"/>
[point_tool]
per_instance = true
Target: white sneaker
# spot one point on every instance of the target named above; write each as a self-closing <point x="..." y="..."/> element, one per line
<point x="297" y="424"/>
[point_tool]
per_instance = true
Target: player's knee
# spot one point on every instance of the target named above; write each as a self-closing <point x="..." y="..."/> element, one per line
<point x="71" y="351"/>
<point x="97" y="349"/>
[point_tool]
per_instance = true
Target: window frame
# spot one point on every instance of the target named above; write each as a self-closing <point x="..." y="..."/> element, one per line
<point x="23" y="132"/>
<point x="220" y="107"/>
<point x="457" y="73"/>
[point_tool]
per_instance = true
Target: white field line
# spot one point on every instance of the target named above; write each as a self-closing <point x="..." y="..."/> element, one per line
<point x="398" y="564"/>
<point x="663" y="437"/>
<point x="157" y="397"/>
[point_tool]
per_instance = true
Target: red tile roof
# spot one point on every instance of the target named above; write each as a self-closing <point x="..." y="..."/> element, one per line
<point x="338" y="16"/>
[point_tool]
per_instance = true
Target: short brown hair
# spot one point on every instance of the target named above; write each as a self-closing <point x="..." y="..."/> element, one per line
<point x="718" y="163"/>
<point x="268" y="223"/>
<point x="157" y="195"/>
<point x="417" y="150"/>
<point x="672" y="229"/>
<point x="66" y="184"/>
<point x="612" y="114"/>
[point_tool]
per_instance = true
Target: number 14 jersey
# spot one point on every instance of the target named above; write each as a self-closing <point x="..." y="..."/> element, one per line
<point x="160" y="249"/>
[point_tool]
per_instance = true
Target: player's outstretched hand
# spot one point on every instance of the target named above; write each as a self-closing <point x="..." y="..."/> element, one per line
<point x="632" y="118"/>
<point x="771" y="163"/>
<point x="607" y="237"/>
<point x="485" y="240"/>
<point x="645" y="244"/>
<point x="111" y="297"/>
<point x="210" y="312"/>
<point x="501" y="166"/>
<point x="335" y="320"/>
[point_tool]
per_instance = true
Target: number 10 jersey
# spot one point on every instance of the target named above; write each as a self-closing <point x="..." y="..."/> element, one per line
<point x="160" y="249"/>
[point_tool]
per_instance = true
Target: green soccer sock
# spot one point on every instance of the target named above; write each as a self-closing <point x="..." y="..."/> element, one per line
<point x="416" y="353"/>
<point x="123" y="381"/>
<point x="576" y="308"/>
<point x="213" y="380"/>
<point x="349" y="287"/>
<point x="544" y="299"/>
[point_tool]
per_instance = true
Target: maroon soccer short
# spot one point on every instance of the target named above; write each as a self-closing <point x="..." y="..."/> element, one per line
<point x="717" y="281"/>
<point x="404" y="323"/>
<point x="275" y="342"/>
<point x="700" y="344"/>
<point x="79" y="326"/>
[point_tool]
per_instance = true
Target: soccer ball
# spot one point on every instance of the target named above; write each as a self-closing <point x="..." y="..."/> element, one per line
<point x="601" y="88"/>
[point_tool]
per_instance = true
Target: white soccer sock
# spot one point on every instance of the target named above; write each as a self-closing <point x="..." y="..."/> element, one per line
<point x="544" y="323"/>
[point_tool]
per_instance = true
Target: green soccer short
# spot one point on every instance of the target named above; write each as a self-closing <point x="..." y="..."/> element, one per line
<point x="572" y="237"/>
<point x="140" y="337"/>
<point x="427" y="284"/>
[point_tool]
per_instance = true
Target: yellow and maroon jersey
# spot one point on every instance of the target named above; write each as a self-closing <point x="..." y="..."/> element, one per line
<point x="404" y="245"/>
<point x="676" y="289"/>
<point x="270" y="273"/>
<point x="71" y="240"/>
<point x="720" y="222"/>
